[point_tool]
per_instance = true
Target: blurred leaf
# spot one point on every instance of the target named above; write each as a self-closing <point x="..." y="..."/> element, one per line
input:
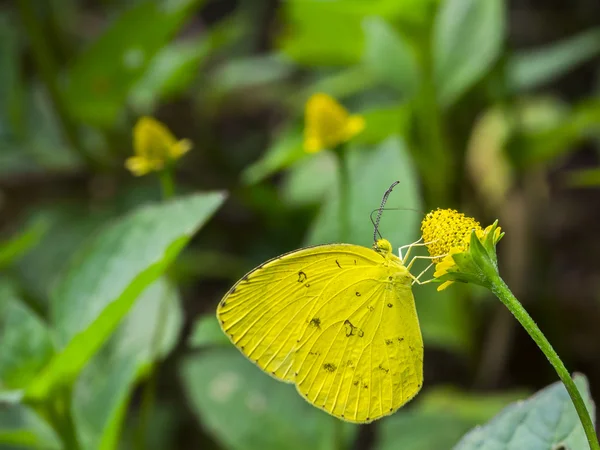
<point x="169" y="73"/>
<point x="447" y="411"/>
<point x="103" y="389"/>
<point x="69" y="227"/>
<point x="467" y="40"/>
<point x="21" y="427"/>
<point x="194" y="264"/>
<point x="243" y="408"/>
<point x="249" y="72"/>
<point x="546" y="420"/>
<point x="19" y="245"/>
<point x="207" y="332"/>
<point x="309" y="180"/>
<point x="421" y="431"/>
<point x="486" y="159"/>
<point x="389" y="58"/>
<point x="384" y="121"/>
<point x="541" y="143"/>
<point x="584" y="178"/>
<point x="444" y="318"/>
<point x="100" y="80"/>
<point x="339" y="84"/>
<point x="530" y="69"/>
<point x="285" y="151"/>
<point x="475" y="407"/>
<point x="372" y="171"/>
<point x="321" y="33"/>
<point x="109" y="273"/>
<point x="26" y="342"/>
<point x="330" y="32"/>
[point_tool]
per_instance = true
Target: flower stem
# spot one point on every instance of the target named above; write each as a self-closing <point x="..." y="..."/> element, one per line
<point x="344" y="190"/>
<point x="167" y="184"/>
<point x="501" y="290"/>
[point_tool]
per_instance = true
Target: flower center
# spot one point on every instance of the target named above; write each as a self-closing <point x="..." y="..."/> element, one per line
<point x="446" y="229"/>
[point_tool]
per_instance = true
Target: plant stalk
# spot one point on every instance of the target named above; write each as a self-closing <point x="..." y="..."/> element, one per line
<point x="501" y="290"/>
<point x="167" y="185"/>
<point x="344" y="190"/>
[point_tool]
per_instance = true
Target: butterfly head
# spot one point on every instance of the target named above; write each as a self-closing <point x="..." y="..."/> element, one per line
<point x="382" y="246"/>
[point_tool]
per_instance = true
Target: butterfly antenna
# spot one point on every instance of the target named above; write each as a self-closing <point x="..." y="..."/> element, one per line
<point x="380" y="210"/>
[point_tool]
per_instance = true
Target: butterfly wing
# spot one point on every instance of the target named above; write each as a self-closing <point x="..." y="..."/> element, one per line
<point x="267" y="311"/>
<point x="365" y="360"/>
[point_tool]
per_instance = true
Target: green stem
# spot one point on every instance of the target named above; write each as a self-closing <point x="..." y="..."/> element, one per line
<point x="344" y="190"/>
<point x="501" y="290"/>
<point x="42" y="55"/>
<point x="167" y="184"/>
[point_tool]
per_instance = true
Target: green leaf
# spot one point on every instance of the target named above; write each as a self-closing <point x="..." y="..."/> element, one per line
<point x="330" y="32"/>
<point x="322" y="33"/>
<point x="530" y="69"/>
<point x="243" y="408"/>
<point x="285" y="151"/>
<point x="467" y="40"/>
<point x="309" y="180"/>
<point x="169" y="73"/>
<point x="547" y="420"/>
<point x="69" y="227"/>
<point x="372" y="171"/>
<point x="21" y="427"/>
<point x="207" y="332"/>
<point x="19" y="245"/>
<point x="535" y="145"/>
<point x="389" y="58"/>
<point x="101" y="79"/>
<point x="248" y="72"/>
<point x="26" y="341"/>
<point x="103" y="389"/>
<point x="109" y="273"/>
<point x="447" y="411"/>
<point x="384" y="121"/>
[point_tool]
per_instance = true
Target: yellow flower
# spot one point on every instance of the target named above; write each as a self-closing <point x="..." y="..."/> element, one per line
<point x="448" y="236"/>
<point x="328" y="124"/>
<point x="154" y="147"/>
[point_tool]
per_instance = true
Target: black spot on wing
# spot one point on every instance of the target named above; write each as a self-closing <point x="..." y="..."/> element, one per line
<point x="338" y="264"/>
<point x="351" y="330"/>
<point x="357" y="294"/>
<point x="389" y="305"/>
<point x="329" y="367"/>
<point x="302" y="277"/>
<point x="315" y="322"/>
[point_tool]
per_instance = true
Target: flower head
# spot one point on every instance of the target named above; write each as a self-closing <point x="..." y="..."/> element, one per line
<point x="461" y="249"/>
<point x="328" y="124"/>
<point x="154" y="147"/>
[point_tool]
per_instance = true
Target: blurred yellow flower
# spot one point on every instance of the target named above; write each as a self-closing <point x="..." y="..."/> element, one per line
<point x="154" y="147"/>
<point x="448" y="233"/>
<point x="328" y="124"/>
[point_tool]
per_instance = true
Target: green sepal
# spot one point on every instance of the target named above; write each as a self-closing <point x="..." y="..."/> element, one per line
<point x="478" y="265"/>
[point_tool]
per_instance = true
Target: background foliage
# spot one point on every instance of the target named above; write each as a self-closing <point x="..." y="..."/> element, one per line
<point x="490" y="107"/>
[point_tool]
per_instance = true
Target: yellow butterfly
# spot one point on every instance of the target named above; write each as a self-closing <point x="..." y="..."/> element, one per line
<point x="338" y="321"/>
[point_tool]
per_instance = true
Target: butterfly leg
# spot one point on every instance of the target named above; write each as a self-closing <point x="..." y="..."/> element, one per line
<point x="409" y="246"/>
<point x="418" y="243"/>
<point x="416" y="279"/>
